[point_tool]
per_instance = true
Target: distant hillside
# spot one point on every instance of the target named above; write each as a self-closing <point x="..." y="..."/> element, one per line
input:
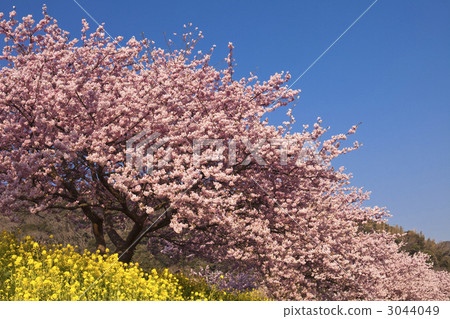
<point x="414" y="242"/>
<point x="445" y="247"/>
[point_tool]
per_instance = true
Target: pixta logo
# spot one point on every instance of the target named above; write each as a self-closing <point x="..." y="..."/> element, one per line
<point x="148" y="150"/>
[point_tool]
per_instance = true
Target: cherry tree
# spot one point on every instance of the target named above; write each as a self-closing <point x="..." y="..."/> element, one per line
<point x="213" y="179"/>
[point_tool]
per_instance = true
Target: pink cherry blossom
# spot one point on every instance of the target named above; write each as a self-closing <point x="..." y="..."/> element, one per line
<point x="68" y="107"/>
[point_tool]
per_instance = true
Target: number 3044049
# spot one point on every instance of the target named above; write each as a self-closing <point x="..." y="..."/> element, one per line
<point x="413" y="310"/>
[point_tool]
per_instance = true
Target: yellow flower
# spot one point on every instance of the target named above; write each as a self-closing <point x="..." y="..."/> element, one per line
<point x="61" y="273"/>
<point x="18" y="260"/>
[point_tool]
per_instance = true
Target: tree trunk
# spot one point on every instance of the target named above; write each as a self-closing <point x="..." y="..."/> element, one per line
<point x="97" y="229"/>
<point x="126" y="255"/>
<point x="127" y="251"/>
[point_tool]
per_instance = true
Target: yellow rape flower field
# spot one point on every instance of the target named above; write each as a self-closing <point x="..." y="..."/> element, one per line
<point x="30" y="271"/>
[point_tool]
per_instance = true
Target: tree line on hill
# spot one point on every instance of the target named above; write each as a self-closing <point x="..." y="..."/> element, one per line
<point x="414" y="242"/>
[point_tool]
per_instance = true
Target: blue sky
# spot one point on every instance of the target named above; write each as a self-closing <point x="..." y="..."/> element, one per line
<point x="391" y="72"/>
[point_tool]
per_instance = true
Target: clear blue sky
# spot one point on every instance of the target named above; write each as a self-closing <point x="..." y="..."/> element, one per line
<point x="391" y="71"/>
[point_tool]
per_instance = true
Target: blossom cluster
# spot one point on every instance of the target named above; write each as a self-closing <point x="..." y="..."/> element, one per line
<point x="68" y="109"/>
